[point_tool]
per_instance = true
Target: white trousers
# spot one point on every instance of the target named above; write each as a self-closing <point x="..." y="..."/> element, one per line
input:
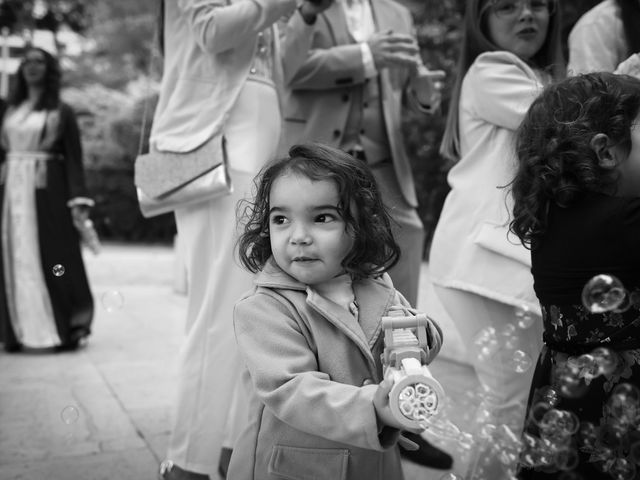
<point x="210" y="409"/>
<point x="471" y="314"/>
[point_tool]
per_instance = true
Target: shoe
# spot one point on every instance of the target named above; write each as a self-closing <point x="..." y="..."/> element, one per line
<point x="170" y="471"/>
<point x="427" y="454"/>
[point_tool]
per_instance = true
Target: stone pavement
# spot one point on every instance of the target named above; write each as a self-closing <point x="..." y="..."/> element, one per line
<point x="103" y="412"/>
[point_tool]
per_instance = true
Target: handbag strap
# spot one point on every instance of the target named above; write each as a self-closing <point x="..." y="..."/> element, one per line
<point x="147" y="93"/>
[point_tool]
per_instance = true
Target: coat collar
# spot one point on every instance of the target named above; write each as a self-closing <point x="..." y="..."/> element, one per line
<point x="373" y="296"/>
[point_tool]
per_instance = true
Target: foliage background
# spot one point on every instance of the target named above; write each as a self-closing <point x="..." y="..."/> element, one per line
<point x="114" y="82"/>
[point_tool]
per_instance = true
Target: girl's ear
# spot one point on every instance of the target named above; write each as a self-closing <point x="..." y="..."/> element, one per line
<point x="607" y="157"/>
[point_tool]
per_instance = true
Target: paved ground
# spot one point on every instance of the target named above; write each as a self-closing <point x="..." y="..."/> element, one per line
<point x="103" y="412"/>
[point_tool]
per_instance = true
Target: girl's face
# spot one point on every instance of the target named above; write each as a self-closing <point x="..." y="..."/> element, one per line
<point x="35" y="67"/>
<point x="629" y="167"/>
<point x="519" y="26"/>
<point x="308" y="236"/>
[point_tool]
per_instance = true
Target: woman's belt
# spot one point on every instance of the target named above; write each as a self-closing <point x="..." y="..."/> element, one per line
<point x="28" y="155"/>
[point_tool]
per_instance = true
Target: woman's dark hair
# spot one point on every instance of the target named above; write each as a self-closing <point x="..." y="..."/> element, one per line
<point x="630" y="15"/>
<point x="50" y="97"/>
<point x="374" y="249"/>
<point x="475" y="41"/>
<point x="556" y="162"/>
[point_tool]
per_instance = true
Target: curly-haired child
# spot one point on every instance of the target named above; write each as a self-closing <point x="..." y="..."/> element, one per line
<point x="577" y="206"/>
<point x="310" y="331"/>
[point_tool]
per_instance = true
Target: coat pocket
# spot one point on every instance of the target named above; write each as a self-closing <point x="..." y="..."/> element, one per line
<point x="499" y="240"/>
<point x="296" y="463"/>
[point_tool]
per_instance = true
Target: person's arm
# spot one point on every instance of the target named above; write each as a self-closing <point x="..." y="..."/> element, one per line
<point x="501" y="89"/>
<point x="218" y="26"/>
<point x="309" y="67"/>
<point x="78" y="201"/>
<point x="593" y="46"/>
<point x="285" y="374"/>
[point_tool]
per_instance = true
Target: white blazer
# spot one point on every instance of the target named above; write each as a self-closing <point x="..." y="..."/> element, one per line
<point x="471" y="248"/>
<point x="209" y="48"/>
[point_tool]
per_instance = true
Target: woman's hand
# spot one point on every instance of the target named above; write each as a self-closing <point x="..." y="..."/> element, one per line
<point x="309" y="9"/>
<point x="79" y="215"/>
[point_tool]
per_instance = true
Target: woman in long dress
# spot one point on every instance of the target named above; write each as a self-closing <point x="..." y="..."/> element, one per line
<point x="45" y="299"/>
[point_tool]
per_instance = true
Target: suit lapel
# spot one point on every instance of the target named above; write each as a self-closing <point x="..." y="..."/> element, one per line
<point x="337" y="24"/>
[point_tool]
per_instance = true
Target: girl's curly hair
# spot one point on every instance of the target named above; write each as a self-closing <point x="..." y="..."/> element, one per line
<point x="374" y="249"/>
<point x="556" y="162"/>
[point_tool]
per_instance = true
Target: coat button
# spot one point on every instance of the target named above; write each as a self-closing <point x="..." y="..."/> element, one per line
<point x="252" y="71"/>
<point x="367" y="381"/>
<point x="336" y="133"/>
<point x="345" y="97"/>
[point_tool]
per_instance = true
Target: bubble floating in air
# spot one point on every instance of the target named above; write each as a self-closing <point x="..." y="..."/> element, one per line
<point x="58" y="270"/>
<point x="603" y="293"/>
<point x="112" y="301"/>
<point x="70" y="414"/>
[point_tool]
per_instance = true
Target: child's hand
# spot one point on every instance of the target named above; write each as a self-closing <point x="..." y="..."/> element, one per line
<point x="383" y="411"/>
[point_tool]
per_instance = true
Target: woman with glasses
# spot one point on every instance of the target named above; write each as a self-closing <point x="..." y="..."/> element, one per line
<point x="45" y="300"/>
<point x="510" y="50"/>
<point x="604" y="37"/>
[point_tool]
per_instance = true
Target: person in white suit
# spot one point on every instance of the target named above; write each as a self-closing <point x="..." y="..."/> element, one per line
<point x="221" y="73"/>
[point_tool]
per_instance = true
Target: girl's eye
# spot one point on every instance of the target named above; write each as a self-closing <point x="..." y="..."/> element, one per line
<point x="278" y="219"/>
<point x="325" y="218"/>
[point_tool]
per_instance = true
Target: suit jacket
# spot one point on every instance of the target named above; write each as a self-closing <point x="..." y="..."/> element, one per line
<point x="312" y="370"/>
<point x="317" y="91"/>
<point x="209" y="48"/>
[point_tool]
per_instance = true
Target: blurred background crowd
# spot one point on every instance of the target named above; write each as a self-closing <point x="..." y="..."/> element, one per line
<point x="111" y="72"/>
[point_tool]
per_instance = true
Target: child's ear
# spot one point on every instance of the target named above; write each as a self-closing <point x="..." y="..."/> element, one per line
<point x="607" y="156"/>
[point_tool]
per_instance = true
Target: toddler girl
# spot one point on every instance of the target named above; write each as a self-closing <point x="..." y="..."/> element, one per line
<point x="310" y="331"/>
<point x="577" y="206"/>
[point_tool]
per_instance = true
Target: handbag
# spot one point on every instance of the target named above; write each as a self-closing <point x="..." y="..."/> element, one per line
<point x="166" y="181"/>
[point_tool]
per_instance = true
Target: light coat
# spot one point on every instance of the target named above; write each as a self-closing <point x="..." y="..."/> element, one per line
<point x="472" y="248"/>
<point x="198" y="91"/>
<point x="312" y="370"/>
<point x="317" y="93"/>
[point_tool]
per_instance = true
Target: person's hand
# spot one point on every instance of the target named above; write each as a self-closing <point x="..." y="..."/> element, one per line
<point x="79" y="214"/>
<point x="394" y="50"/>
<point x="631" y="66"/>
<point x="383" y="410"/>
<point x="309" y="9"/>
<point x="427" y="86"/>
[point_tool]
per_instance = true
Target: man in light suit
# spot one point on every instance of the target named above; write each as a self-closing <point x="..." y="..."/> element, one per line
<point x="363" y="65"/>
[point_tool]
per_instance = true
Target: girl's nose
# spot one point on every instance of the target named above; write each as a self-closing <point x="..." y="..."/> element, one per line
<point x="300" y="236"/>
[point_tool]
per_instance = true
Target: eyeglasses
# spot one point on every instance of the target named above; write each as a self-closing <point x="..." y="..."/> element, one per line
<point x="513" y="8"/>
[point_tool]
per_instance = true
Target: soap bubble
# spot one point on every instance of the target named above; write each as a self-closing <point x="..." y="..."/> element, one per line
<point x="548" y="394"/>
<point x="606" y="360"/>
<point x="622" y="469"/>
<point x="521" y="361"/>
<point x="112" y="301"/>
<point x="567" y="459"/>
<point x="486" y="343"/>
<point x="58" y="270"/>
<point x="70" y="414"/>
<point x="586" y="365"/>
<point x="587" y="436"/>
<point x="524" y="316"/>
<point x="603" y="293"/>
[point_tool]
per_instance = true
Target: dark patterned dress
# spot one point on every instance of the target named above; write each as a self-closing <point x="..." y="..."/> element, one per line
<point x="45" y="299"/>
<point x="583" y="410"/>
